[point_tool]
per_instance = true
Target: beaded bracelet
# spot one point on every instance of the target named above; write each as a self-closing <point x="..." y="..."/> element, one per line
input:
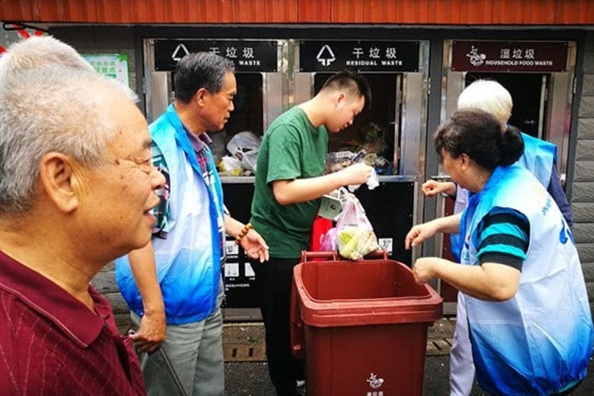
<point x="243" y="233"/>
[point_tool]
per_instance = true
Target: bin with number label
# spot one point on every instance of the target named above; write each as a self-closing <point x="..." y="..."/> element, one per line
<point x="361" y="326"/>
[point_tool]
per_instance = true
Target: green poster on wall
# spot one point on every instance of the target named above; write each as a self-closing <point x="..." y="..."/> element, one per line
<point x="110" y="65"/>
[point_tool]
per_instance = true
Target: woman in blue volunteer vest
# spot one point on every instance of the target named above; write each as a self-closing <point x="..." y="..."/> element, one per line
<point x="527" y="308"/>
<point x="540" y="159"/>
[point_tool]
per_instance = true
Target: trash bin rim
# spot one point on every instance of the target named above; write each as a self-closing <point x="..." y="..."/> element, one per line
<point x="389" y="310"/>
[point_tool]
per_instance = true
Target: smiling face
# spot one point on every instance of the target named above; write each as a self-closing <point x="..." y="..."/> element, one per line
<point x="218" y="106"/>
<point x="345" y="110"/>
<point x="116" y="198"/>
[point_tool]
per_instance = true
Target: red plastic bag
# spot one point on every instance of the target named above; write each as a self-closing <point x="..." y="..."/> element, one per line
<point x="319" y="228"/>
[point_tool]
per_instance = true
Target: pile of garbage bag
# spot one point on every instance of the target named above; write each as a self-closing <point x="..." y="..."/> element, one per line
<point x="243" y="155"/>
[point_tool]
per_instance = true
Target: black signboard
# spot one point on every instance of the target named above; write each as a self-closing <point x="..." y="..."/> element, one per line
<point x="369" y="56"/>
<point x="509" y="56"/>
<point x="248" y="56"/>
<point x="239" y="277"/>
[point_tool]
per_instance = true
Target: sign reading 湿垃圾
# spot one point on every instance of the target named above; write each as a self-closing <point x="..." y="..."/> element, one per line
<point x="509" y="56"/>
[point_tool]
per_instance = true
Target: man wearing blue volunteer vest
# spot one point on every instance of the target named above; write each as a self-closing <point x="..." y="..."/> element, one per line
<point x="540" y="159"/>
<point x="173" y="286"/>
<point x="527" y="311"/>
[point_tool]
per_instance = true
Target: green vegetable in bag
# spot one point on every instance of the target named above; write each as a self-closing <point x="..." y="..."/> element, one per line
<point x="355" y="237"/>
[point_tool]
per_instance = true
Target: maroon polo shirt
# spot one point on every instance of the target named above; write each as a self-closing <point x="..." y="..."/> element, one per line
<point x="52" y="344"/>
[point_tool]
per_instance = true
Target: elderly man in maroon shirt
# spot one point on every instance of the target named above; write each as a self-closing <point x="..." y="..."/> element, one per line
<point x="76" y="190"/>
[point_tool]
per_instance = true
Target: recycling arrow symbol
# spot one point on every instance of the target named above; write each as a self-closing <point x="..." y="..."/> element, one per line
<point x="179" y="52"/>
<point x="326" y="55"/>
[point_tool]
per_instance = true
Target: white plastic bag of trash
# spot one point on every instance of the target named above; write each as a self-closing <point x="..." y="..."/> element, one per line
<point x="245" y="146"/>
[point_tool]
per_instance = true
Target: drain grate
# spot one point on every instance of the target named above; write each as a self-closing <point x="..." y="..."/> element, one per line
<point x="439" y="346"/>
<point x="236" y="352"/>
<point x="257" y="353"/>
<point x="245" y="342"/>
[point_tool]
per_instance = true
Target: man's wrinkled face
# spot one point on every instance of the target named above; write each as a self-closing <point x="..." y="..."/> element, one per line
<point x="218" y="106"/>
<point x="117" y="198"/>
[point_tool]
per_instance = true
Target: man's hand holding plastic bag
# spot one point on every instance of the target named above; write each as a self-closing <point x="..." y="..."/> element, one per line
<point x="355" y="236"/>
<point x="356" y="174"/>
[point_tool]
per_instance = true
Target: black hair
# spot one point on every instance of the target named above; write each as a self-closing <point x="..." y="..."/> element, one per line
<point x="353" y="82"/>
<point x="200" y="70"/>
<point x="478" y="134"/>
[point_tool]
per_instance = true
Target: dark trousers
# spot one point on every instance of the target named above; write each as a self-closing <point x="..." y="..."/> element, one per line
<point x="273" y="286"/>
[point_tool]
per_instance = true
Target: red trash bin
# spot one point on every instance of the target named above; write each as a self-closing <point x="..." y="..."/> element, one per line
<point x="361" y="325"/>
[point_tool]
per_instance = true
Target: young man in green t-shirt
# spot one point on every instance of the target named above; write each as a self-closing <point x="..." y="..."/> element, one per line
<point x="290" y="181"/>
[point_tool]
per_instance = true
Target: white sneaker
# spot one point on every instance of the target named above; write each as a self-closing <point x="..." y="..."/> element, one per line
<point x="300" y="383"/>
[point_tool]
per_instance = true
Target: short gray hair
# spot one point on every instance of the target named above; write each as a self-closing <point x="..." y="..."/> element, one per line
<point x="489" y="96"/>
<point x="200" y="70"/>
<point x="36" y="52"/>
<point x="46" y="51"/>
<point x="44" y="110"/>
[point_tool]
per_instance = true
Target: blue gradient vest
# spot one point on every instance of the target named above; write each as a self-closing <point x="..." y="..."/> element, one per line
<point x="539" y="341"/>
<point x="539" y="157"/>
<point x="189" y="259"/>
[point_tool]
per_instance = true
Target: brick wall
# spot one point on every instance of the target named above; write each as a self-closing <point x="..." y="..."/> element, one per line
<point x="582" y="197"/>
<point x="105" y="283"/>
